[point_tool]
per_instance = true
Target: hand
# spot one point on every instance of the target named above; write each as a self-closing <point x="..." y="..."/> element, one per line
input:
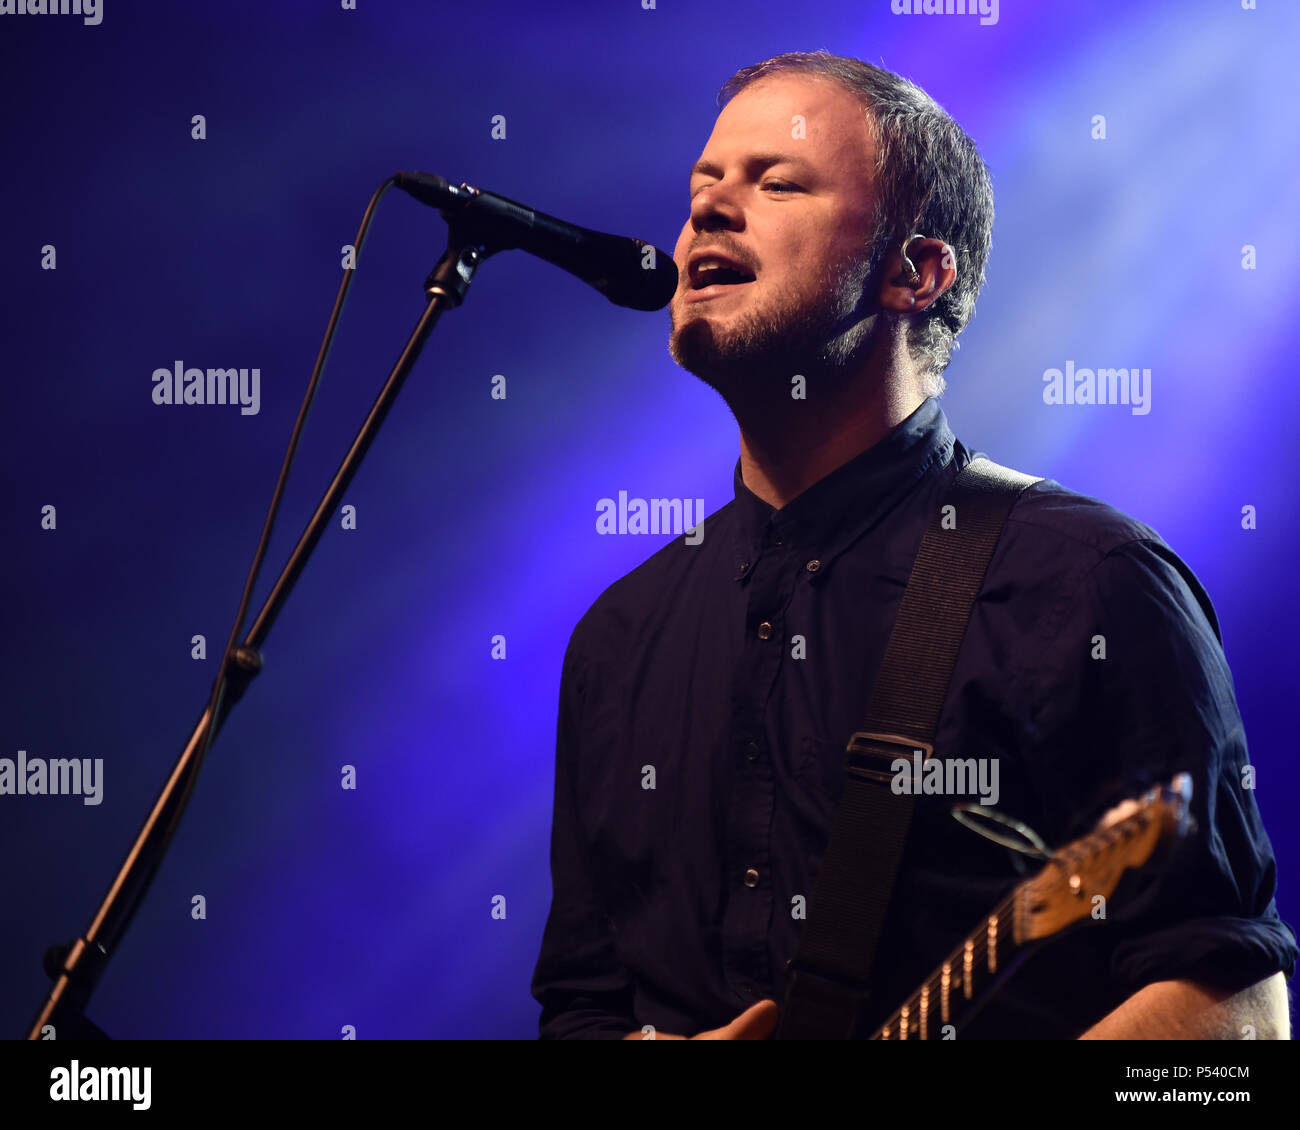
<point x="755" y="1023"/>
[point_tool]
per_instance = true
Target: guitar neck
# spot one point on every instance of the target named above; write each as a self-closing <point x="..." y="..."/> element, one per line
<point x="1063" y="893"/>
<point x="973" y="968"/>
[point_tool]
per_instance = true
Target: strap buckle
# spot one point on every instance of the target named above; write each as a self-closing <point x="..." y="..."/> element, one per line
<point x="866" y="752"/>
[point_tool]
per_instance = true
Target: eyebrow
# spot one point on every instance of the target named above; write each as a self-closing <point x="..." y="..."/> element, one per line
<point x="759" y="160"/>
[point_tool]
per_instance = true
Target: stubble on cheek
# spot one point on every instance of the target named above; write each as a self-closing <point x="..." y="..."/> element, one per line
<point x="805" y="321"/>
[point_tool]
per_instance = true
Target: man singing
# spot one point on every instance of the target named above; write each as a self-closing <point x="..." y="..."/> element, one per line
<point x="839" y="226"/>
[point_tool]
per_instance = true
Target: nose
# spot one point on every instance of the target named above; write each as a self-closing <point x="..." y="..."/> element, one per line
<point x="715" y="208"/>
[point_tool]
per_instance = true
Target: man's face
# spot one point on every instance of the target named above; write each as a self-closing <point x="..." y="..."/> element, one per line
<point x="794" y="213"/>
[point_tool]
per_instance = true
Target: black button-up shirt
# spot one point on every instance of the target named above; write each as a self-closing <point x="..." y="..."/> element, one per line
<point x="707" y="696"/>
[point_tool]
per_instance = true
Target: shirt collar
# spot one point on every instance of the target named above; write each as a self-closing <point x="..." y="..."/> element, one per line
<point x="841" y="506"/>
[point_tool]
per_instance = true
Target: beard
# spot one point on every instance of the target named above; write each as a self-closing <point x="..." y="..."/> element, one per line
<point x="819" y="333"/>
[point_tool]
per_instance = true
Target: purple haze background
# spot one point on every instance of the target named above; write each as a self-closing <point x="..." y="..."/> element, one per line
<point x="476" y="517"/>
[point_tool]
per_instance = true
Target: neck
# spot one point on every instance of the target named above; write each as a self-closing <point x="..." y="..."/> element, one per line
<point x="785" y="448"/>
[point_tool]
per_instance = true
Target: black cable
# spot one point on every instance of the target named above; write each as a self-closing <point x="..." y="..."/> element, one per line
<point x="217" y="695"/>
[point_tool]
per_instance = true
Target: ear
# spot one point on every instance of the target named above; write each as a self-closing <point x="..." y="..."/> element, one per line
<point x="909" y="290"/>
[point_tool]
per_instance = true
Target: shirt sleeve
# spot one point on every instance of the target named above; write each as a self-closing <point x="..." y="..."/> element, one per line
<point x="1145" y="692"/>
<point x="584" y="991"/>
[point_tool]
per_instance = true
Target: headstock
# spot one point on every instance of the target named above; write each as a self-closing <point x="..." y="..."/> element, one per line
<point x="1063" y="892"/>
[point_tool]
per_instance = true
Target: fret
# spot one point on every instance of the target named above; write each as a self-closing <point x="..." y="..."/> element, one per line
<point x="912" y="1021"/>
<point x="1033" y="912"/>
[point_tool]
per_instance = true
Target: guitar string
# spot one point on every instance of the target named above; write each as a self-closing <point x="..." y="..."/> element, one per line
<point x="1066" y="859"/>
<point x="956" y="959"/>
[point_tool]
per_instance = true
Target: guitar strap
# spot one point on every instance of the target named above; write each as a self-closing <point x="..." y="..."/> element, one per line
<point x="829" y="974"/>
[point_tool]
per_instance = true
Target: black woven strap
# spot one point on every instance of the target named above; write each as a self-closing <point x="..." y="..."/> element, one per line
<point x="830" y="973"/>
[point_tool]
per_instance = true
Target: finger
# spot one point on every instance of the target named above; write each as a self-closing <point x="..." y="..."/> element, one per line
<point x="755" y="1023"/>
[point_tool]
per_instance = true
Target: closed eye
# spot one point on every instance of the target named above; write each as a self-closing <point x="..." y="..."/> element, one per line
<point x="776" y="186"/>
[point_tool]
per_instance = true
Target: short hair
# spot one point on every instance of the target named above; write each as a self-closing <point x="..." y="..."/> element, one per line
<point x="929" y="179"/>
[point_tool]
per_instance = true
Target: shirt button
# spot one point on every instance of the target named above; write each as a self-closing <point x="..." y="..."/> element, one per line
<point x="751" y="751"/>
<point x="751" y="878"/>
<point x="744" y="566"/>
<point x="813" y="565"/>
<point x="765" y="631"/>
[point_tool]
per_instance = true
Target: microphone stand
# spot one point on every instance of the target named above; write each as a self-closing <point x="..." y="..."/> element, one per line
<point x="75" y="968"/>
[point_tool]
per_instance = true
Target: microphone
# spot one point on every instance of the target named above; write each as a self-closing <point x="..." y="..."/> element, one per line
<point x="629" y="272"/>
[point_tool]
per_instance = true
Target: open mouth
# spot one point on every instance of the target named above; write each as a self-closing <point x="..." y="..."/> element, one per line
<point x="710" y="277"/>
<point x="706" y="277"/>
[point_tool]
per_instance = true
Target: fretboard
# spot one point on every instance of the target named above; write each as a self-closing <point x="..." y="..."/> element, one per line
<point x="972" y="968"/>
